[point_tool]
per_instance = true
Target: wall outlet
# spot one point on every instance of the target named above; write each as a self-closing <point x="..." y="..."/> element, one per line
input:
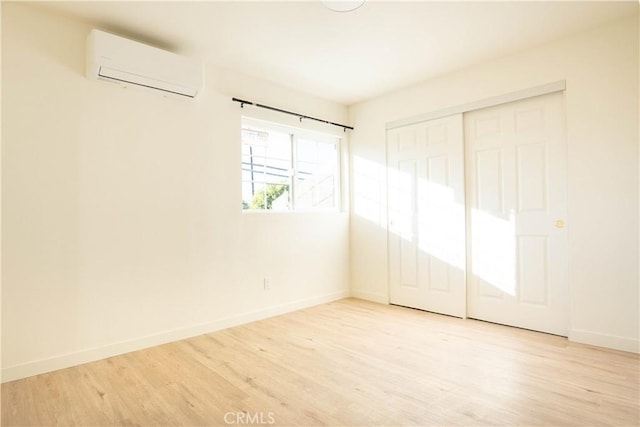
<point x="267" y="283"/>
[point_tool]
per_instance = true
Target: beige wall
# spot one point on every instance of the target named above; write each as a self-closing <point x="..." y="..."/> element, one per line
<point x="601" y="72"/>
<point x="121" y="209"/>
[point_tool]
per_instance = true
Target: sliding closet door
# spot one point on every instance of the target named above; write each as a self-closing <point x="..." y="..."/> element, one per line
<point x="516" y="207"/>
<point x="427" y="216"/>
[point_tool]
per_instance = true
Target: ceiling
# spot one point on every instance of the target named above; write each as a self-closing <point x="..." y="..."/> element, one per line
<point x="345" y="57"/>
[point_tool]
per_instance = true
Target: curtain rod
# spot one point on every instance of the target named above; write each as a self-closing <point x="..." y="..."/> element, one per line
<point x="300" y="116"/>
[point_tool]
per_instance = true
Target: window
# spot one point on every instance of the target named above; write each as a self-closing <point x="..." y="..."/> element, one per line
<point x="286" y="169"/>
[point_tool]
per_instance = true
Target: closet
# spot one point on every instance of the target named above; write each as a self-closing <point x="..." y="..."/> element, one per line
<point x="477" y="209"/>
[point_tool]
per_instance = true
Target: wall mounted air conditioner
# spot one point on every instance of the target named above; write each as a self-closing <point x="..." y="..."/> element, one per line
<point x="128" y="62"/>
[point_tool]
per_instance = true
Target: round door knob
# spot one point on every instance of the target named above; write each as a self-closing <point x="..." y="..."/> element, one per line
<point x="559" y="223"/>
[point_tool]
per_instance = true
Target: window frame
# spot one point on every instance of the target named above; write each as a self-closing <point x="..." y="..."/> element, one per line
<point x="296" y="133"/>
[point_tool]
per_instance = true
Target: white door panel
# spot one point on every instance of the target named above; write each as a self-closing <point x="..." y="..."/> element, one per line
<point x="516" y="188"/>
<point x="426" y="216"/>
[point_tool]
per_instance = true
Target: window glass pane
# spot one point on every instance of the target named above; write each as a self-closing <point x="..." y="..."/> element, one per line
<point x="282" y="165"/>
<point x="266" y="169"/>
<point x="316" y="174"/>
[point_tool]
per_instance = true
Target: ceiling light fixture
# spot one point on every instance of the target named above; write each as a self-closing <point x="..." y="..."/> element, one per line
<point x="343" y="5"/>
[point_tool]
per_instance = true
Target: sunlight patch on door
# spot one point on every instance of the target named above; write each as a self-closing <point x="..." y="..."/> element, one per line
<point x="441" y="234"/>
<point x="492" y="251"/>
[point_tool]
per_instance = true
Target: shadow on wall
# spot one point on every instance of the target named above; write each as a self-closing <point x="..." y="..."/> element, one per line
<point x="59" y="43"/>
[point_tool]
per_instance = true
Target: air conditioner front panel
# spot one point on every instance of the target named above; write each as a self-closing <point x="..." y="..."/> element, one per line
<point x="115" y="58"/>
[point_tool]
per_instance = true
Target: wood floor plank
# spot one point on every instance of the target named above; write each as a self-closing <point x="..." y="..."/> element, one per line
<point x="349" y="362"/>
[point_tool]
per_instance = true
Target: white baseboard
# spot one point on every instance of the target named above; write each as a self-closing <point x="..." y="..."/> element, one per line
<point x="605" y="340"/>
<point x="36" y="367"/>
<point x="370" y="296"/>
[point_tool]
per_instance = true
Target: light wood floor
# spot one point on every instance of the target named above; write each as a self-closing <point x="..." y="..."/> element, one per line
<point x="345" y="363"/>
